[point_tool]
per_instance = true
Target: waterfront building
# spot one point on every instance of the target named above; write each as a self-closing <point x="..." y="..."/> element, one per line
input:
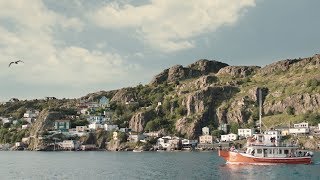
<point x="301" y="125"/>
<point x="206" y="139"/>
<point x="70" y="145"/>
<point x="229" y="137"/>
<point x="136" y="137"/>
<point x="245" y="132"/>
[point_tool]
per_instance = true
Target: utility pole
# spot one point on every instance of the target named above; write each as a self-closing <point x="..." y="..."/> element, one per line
<point x="260" y="108"/>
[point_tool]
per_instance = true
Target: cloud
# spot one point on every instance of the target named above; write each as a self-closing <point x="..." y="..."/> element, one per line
<point x="30" y="36"/>
<point x="170" y="25"/>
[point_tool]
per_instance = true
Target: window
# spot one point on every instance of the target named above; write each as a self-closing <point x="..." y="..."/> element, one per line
<point x="280" y="151"/>
<point x="259" y="151"/>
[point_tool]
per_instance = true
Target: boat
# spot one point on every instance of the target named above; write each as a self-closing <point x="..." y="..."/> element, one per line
<point x="266" y="148"/>
<point x="137" y="150"/>
<point x="264" y="154"/>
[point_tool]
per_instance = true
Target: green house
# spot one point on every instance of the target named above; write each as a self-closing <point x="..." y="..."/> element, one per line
<point x="62" y="125"/>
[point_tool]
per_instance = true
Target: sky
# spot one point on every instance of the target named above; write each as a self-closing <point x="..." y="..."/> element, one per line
<point x="74" y="47"/>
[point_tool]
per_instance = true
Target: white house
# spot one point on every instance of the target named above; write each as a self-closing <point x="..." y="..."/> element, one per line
<point x="245" y="132"/>
<point x="187" y="142"/>
<point x="205" y="131"/>
<point x="97" y="119"/>
<point x="31" y="114"/>
<point x="6" y="120"/>
<point x="301" y="125"/>
<point x="95" y="126"/>
<point x="271" y="137"/>
<point x="136" y="137"/>
<point x="26" y="126"/>
<point x="164" y="142"/>
<point x="152" y="134"/>
<point x="81" y="128"/>
<point x="84" y="111"/>
<point x="206" y="139"/>
<point x="299" y="130"/>
<point x="229" y="137"/>
<point x="70" y="145"/>
<point x="110" y="127"/>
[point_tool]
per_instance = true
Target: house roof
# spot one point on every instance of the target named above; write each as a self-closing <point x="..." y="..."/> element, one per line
<point x="62" y="120"/>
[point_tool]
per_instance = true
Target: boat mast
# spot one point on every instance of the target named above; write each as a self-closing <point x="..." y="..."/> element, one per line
<point x="260" y="107"/>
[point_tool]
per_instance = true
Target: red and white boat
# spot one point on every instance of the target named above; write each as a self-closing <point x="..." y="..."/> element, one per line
<point x="266" y="149"/>
<point x="263" y="154"/>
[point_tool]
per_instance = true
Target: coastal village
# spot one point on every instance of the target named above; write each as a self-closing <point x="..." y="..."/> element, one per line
<point x="63" y="135"/>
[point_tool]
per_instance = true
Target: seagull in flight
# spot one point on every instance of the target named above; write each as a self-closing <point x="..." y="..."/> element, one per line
<point x="15" y="62"/>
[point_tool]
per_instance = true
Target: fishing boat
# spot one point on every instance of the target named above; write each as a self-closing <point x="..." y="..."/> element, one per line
<point x="260" y="152"/>
<point x="266" y="148"/>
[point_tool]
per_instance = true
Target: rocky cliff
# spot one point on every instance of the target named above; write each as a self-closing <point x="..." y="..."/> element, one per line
<point x="44" y="122"/>
<point x="183" y="99"/>
<point x="178" y="72"/>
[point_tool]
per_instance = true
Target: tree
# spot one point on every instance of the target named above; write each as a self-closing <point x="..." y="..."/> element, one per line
<point x="234" y="128"/>
<point x="290" y="110"/>
<point x="217" y="133"/>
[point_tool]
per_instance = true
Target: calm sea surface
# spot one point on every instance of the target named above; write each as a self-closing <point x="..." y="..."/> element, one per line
<point x="145" y="165"/>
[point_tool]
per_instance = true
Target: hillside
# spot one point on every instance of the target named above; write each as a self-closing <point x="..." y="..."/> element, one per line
<point x="181" y="100"/>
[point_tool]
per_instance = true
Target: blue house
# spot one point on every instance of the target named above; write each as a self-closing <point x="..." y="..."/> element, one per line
<point x="104" y="102"/>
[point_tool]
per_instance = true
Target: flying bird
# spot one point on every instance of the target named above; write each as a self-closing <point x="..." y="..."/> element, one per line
<point x="15" y="62"/>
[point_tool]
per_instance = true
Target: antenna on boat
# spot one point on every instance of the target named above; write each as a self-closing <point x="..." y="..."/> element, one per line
<point x="260" y="107"/>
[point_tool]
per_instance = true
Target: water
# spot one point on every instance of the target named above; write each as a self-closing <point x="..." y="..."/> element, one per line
<point x="145" y="165"/>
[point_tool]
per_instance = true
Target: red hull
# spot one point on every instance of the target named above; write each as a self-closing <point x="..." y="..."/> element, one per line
<point x="239" y="158"/>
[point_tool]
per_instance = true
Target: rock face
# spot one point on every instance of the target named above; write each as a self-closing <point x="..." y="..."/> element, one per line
<point x="124" y="95"/>
<point x="301" y="103"/>
<point x="207" y="80"/>
<point x="139" y="120"/>
<point x="238" y="71"/>
<point x="206" y="66"/>
<point x="44" y="122"/>
<point x="201" y="108"/>
<point x="285" y="65"/>
<point x="178" y="72"/>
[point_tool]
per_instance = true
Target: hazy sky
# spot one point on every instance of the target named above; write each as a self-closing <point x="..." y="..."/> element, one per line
<point x="74" y="47"/>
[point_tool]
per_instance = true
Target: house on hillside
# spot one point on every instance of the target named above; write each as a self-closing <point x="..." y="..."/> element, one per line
<point x="104" y="102"/>
<point x="62" y="125"/>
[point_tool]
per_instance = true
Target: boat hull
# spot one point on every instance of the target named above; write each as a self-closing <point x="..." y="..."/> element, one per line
<point x="240" y="158"/>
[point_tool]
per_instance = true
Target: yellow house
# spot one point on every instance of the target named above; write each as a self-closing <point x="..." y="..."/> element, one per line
<point x="285" y="132"/>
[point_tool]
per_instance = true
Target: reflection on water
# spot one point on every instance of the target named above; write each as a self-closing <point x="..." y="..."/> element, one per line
<point x="282" y="171"/>
<point x="146" y="165"/>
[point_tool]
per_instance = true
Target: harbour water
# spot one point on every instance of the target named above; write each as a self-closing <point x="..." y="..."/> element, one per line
<point x="145" y="165"/>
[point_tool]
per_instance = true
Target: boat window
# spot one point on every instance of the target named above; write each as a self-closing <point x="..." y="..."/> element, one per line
<point x="286" y="151"/>
<point x="270" y="151"/>
<point x="259" y="151"/>
<point x="280" y="151"/>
